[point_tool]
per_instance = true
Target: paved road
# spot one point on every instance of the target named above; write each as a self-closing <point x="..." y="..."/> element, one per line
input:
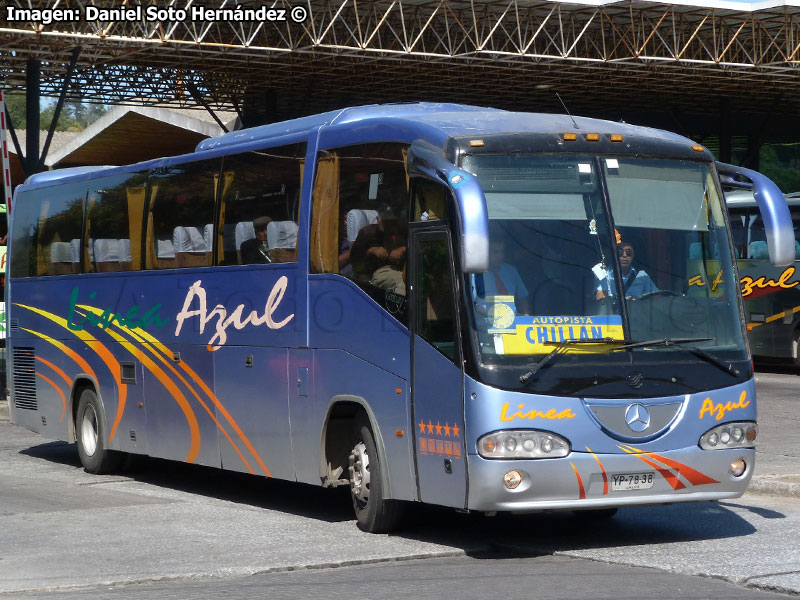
<point x="778" y="450"/>
<point x="200" y="529"/>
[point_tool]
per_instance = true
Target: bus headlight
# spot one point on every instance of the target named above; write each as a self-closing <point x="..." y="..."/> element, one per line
<point x="522" y="443"/>
<point x="730" y="435"/>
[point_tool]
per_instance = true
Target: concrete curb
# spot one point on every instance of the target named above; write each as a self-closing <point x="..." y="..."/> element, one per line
<point x="772" y="485"/>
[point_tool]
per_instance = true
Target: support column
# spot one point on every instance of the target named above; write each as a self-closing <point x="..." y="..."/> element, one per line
<point x="725" y="142"/>
<point x="752" y="156"/>
<point x="32" y="93"/>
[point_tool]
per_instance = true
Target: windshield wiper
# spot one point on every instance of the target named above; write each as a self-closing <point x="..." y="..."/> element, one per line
<point x="727" y="367"/>
<point x="558" y="350"/>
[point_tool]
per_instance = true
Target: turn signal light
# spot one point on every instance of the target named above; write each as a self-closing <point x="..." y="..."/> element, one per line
<point x="570" y="137"/>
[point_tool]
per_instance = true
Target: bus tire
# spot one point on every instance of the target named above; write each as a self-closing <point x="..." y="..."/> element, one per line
<point x="374" y="513"/>
<point x="796" y="348"/>
<point x="89" y="426"/>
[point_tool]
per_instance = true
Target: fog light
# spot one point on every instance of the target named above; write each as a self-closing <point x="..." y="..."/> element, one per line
<point x="512" y="479"/>
<point x="737" y="467"/>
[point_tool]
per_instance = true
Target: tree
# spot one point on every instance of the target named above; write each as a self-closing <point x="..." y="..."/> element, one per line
<point x="15" y="104"/>
<point x="75" y="116"/>
<point x="781" y="163"/>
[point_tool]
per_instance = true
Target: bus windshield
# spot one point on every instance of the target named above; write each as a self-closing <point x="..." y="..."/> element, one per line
<point x="591" y="253"/>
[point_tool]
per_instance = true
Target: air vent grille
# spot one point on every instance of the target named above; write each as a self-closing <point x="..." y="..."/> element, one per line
<point x="24" y="378"/>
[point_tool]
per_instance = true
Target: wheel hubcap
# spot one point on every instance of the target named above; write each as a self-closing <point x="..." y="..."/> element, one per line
<point x="89" y="431"/>
<point x="359" y="473"/>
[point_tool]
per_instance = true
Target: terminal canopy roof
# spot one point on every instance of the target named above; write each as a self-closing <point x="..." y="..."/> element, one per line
<point x="688" y="62"/>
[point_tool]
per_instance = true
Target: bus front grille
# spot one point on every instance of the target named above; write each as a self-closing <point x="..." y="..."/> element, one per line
<point x="24" y="378"/>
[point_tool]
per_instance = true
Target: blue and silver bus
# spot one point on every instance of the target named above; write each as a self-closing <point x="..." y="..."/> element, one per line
<point x="434" y="303"/>
<point x="771" y="295"/>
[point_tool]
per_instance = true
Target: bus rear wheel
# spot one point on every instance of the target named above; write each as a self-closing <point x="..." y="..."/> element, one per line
<point x="374" y="513"/>
<point x="95" y="456"/>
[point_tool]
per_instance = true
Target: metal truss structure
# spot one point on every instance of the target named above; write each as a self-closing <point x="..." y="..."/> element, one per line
<point x="640" y="54"/>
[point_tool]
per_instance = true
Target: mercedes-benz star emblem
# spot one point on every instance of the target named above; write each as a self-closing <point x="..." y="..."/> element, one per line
<point x="637" y="417"/>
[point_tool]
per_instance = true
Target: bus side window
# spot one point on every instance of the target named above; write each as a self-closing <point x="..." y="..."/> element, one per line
<point x="359" y="221"/>
<point x="114" y="222"/>
<point x="181" y="204"/>
<point x="795" y="212"/>
<point x="260" y="205"/>
<point x="44" y="228"/>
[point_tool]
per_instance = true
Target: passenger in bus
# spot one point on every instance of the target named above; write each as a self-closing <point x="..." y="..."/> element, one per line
<point x="635" y="282"/>
<point x="378" y="255"/>
<point x="255" y="251"/>
<point x="502" y="279"/>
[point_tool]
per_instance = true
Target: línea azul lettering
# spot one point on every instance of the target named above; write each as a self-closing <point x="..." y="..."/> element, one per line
<point x="224" y="320"/>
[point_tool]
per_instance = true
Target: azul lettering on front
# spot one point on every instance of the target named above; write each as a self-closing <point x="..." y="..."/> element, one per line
<point x="224" y="320"/>
<point x="718" y="409"/>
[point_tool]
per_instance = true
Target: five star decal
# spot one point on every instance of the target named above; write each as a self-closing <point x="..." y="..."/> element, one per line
<point x="446" y="440"/>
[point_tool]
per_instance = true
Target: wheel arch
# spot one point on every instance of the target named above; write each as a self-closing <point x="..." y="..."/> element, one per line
<point x="82" y="382"/>
<point x="344" y="410"/>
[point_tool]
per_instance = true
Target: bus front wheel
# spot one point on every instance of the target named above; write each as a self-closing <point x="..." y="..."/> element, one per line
<point x="374" y="513"/>
<point x="95" y="456"/>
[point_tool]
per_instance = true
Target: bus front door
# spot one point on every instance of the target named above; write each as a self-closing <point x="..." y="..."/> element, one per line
<point x="437" y="377"/>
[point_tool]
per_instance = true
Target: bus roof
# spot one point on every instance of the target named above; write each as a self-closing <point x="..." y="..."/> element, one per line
<point x="436" y="122"/>
<point x="432" y="122"/>
<point x="745" y="199"/>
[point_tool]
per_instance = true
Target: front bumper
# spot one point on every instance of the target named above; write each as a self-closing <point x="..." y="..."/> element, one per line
<point x="584" y="480"/>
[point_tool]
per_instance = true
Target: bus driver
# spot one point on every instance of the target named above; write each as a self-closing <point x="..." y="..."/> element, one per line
<point x="635" y="282"/>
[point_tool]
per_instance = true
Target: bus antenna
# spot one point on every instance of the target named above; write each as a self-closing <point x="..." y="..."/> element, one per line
<point x="574" y="122"/>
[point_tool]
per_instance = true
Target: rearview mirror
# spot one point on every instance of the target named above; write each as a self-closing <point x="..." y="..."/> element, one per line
<point x="772" y="206"/>
<point x="473" y="220"/>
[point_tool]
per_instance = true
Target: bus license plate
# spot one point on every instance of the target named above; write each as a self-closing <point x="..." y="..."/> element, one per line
<point x="631" y="481"/>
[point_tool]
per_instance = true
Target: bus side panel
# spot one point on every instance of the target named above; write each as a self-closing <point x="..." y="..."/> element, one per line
<point x="253" y="412"/>
<point x="41" y="400"/>
<point x="771" y="306"/>
<point x="342" y="316"/>
<point x="178" y="425"/>
<point x="340" y="374"/>
<point x="369" y="358"/>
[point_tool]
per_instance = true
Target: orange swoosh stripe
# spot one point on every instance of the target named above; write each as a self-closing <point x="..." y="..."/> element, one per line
<point x="57" y="370"/>
<point x="178" y="375"/>
<point x="104" y="354"/>
<point x="671" y="478"/>
<point x="202" y="384"/>
<point x="581" y="490"/>
<point x="66" y="350"/>
<point x="692" y="476"/>
<point x="602" y="470"/>
<point x="60" y="393"/>
<point x="183" y="403"/>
